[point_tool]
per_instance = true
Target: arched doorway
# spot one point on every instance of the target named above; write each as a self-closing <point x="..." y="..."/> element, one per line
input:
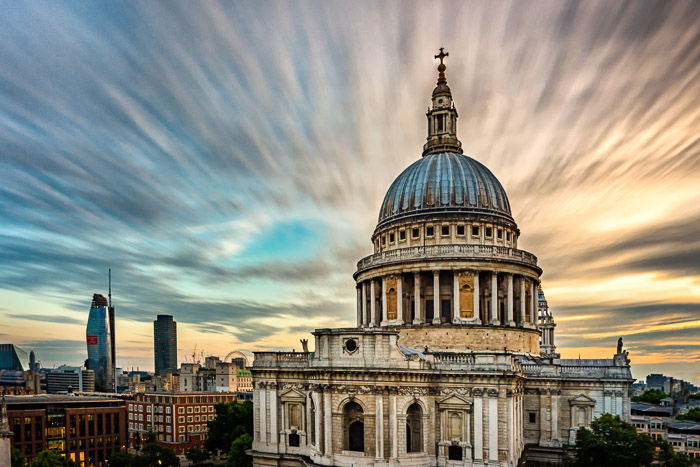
<point x="414" y="428"/>
<point x="354" y="427"/>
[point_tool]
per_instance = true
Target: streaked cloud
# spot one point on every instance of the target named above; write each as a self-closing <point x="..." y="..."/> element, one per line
<point x="229" y="166"/>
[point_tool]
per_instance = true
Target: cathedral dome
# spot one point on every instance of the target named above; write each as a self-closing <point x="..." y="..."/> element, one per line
<point x="444" y="183"/>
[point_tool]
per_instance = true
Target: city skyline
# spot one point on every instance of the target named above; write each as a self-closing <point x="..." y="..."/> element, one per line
<point x="231" y="177"/>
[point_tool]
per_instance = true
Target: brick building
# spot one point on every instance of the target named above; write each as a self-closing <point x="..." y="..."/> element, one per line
<point x="178" y="419"/>
<point x="85" y="429"/>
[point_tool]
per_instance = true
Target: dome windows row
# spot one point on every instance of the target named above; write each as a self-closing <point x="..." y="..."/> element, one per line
<point x="445" y="233"/>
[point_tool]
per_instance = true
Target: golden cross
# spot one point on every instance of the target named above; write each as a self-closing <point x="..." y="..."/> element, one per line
<point x="442" y="54"/>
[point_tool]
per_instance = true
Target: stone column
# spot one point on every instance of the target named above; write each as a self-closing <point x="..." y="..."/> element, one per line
<point x="393" y="427"/>
<point x="543" y="417"/>
<point x="555" y="417"/>
<point x="317" y="420"/>
<point x="364" y="303"/>
<point x="372" y="303"/>
<point x="418" y="318"/>
<point x="379" y="426"/>
<point x="263" y="415"/>
<point x="618" y="405"/>
<point x="494" y="298"/>
<point x="533" y="303"/>
<point x="478" y="425"/>
<point x="493" y="425"/>
<point x="510" y="304"/>
<point x="359" y="306"/>
<point x="383" y="312"/>
<point x="477" y="298"/>
<point x="399" y="300"/>
<point x="607" y="402"/>
<point x="512" y="433"/>
<point x="436" y="297"/>
<point x="327" y="424"/>
<point x="455" y="297"/>
<point x="274" y="426"/>
<point x="522" y="300"/>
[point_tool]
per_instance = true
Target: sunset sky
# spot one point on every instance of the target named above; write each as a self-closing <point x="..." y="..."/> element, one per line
<point x="228" y="160"/>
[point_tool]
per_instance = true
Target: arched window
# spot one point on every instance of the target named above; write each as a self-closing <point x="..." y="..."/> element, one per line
<point x="354" y="427"/>
<point x="414" y="428"/>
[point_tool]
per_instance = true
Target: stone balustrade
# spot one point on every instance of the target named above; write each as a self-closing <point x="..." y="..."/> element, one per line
<point x="278" y="359"/>
<point x="599" y="370"/>
<point x="437" y="252"/>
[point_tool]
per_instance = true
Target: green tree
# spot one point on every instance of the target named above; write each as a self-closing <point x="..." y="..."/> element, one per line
<point x="124" y="459"/>
<point x="232" y="420"/>
<point x="670" y="458"/>
<point x="612" y="442"/>
<point x="196" y="455"/>
<point x="652" y="396"/>
<point x="48" y="458"/>
<point x="695" y="396"/>
<point x="693" y="415"/>
<point x="17" y="458"/>
<point x="237" y="456"/>
<point x="157" y="455"/>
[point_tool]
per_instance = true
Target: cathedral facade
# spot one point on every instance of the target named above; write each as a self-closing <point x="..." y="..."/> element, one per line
<point x="452" y="361"/>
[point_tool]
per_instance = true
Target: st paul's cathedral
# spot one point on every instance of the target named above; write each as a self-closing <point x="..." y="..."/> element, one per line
<point x="452" y="361"/>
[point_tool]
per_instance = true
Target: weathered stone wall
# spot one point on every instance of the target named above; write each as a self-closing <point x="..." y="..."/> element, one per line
<point x="437" y="337"/>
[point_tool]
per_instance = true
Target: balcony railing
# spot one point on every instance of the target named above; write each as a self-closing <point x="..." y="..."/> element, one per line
<point x="452" y="251"/>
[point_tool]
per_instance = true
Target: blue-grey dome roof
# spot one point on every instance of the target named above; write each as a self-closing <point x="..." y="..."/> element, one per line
<point x="444" y="182"/>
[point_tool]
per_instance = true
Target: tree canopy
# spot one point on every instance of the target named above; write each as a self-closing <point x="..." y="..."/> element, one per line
<point x="232" y="420"/>
<point x="652" y="396"/>
<point x="692" y="415"/>
<point x="236" y="455"/>
<point x="612" y="442"/>
<point x="48" y="458"/>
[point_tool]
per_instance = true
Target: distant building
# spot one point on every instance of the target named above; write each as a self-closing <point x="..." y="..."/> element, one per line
<point x="13" y="358"/>
<point x="233" y="377"/>
<point x="70" y="379"/>
<point x="84" y="429"/>
<point x="684" y="436"/>
<point x="99" y="344"/>
<point x="5" y="435"/>
<point x="179" y="420"/>
<point x="196" y="378"/>
<point x="165" y="343"/>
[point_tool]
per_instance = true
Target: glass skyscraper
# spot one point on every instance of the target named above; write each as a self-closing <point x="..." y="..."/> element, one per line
<point x="165" y="343"/>
<point x="99" y="344"/>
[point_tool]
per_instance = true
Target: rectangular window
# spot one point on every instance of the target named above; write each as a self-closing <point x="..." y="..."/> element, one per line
<point x="445" y="231"/>
<point x="392" y="237"/>
<point x="475" y="230"/>
<point x="532" y="417"/>
<point x="508" y="236"/>
<point x="383" y="240"/>
<point x="460" y="230"/>
<point x="415" y="233"/>
<point x="489" y="232"/>
<point x="430" y="231"/>
<point x="499" y="234"/>
<point x="402" y="235"/>
<point x="180" y="410"/>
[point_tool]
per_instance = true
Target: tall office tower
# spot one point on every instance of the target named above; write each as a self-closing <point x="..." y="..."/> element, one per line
<point x="99" y="344"/>
<point x="165" y="343"/>
<point x="112" y="332"/>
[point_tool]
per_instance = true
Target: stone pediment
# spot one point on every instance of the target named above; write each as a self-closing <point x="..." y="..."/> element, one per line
<point x="582" y="399"/>
<point x="293" y="395"/>
<point x="454" y="400"/>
